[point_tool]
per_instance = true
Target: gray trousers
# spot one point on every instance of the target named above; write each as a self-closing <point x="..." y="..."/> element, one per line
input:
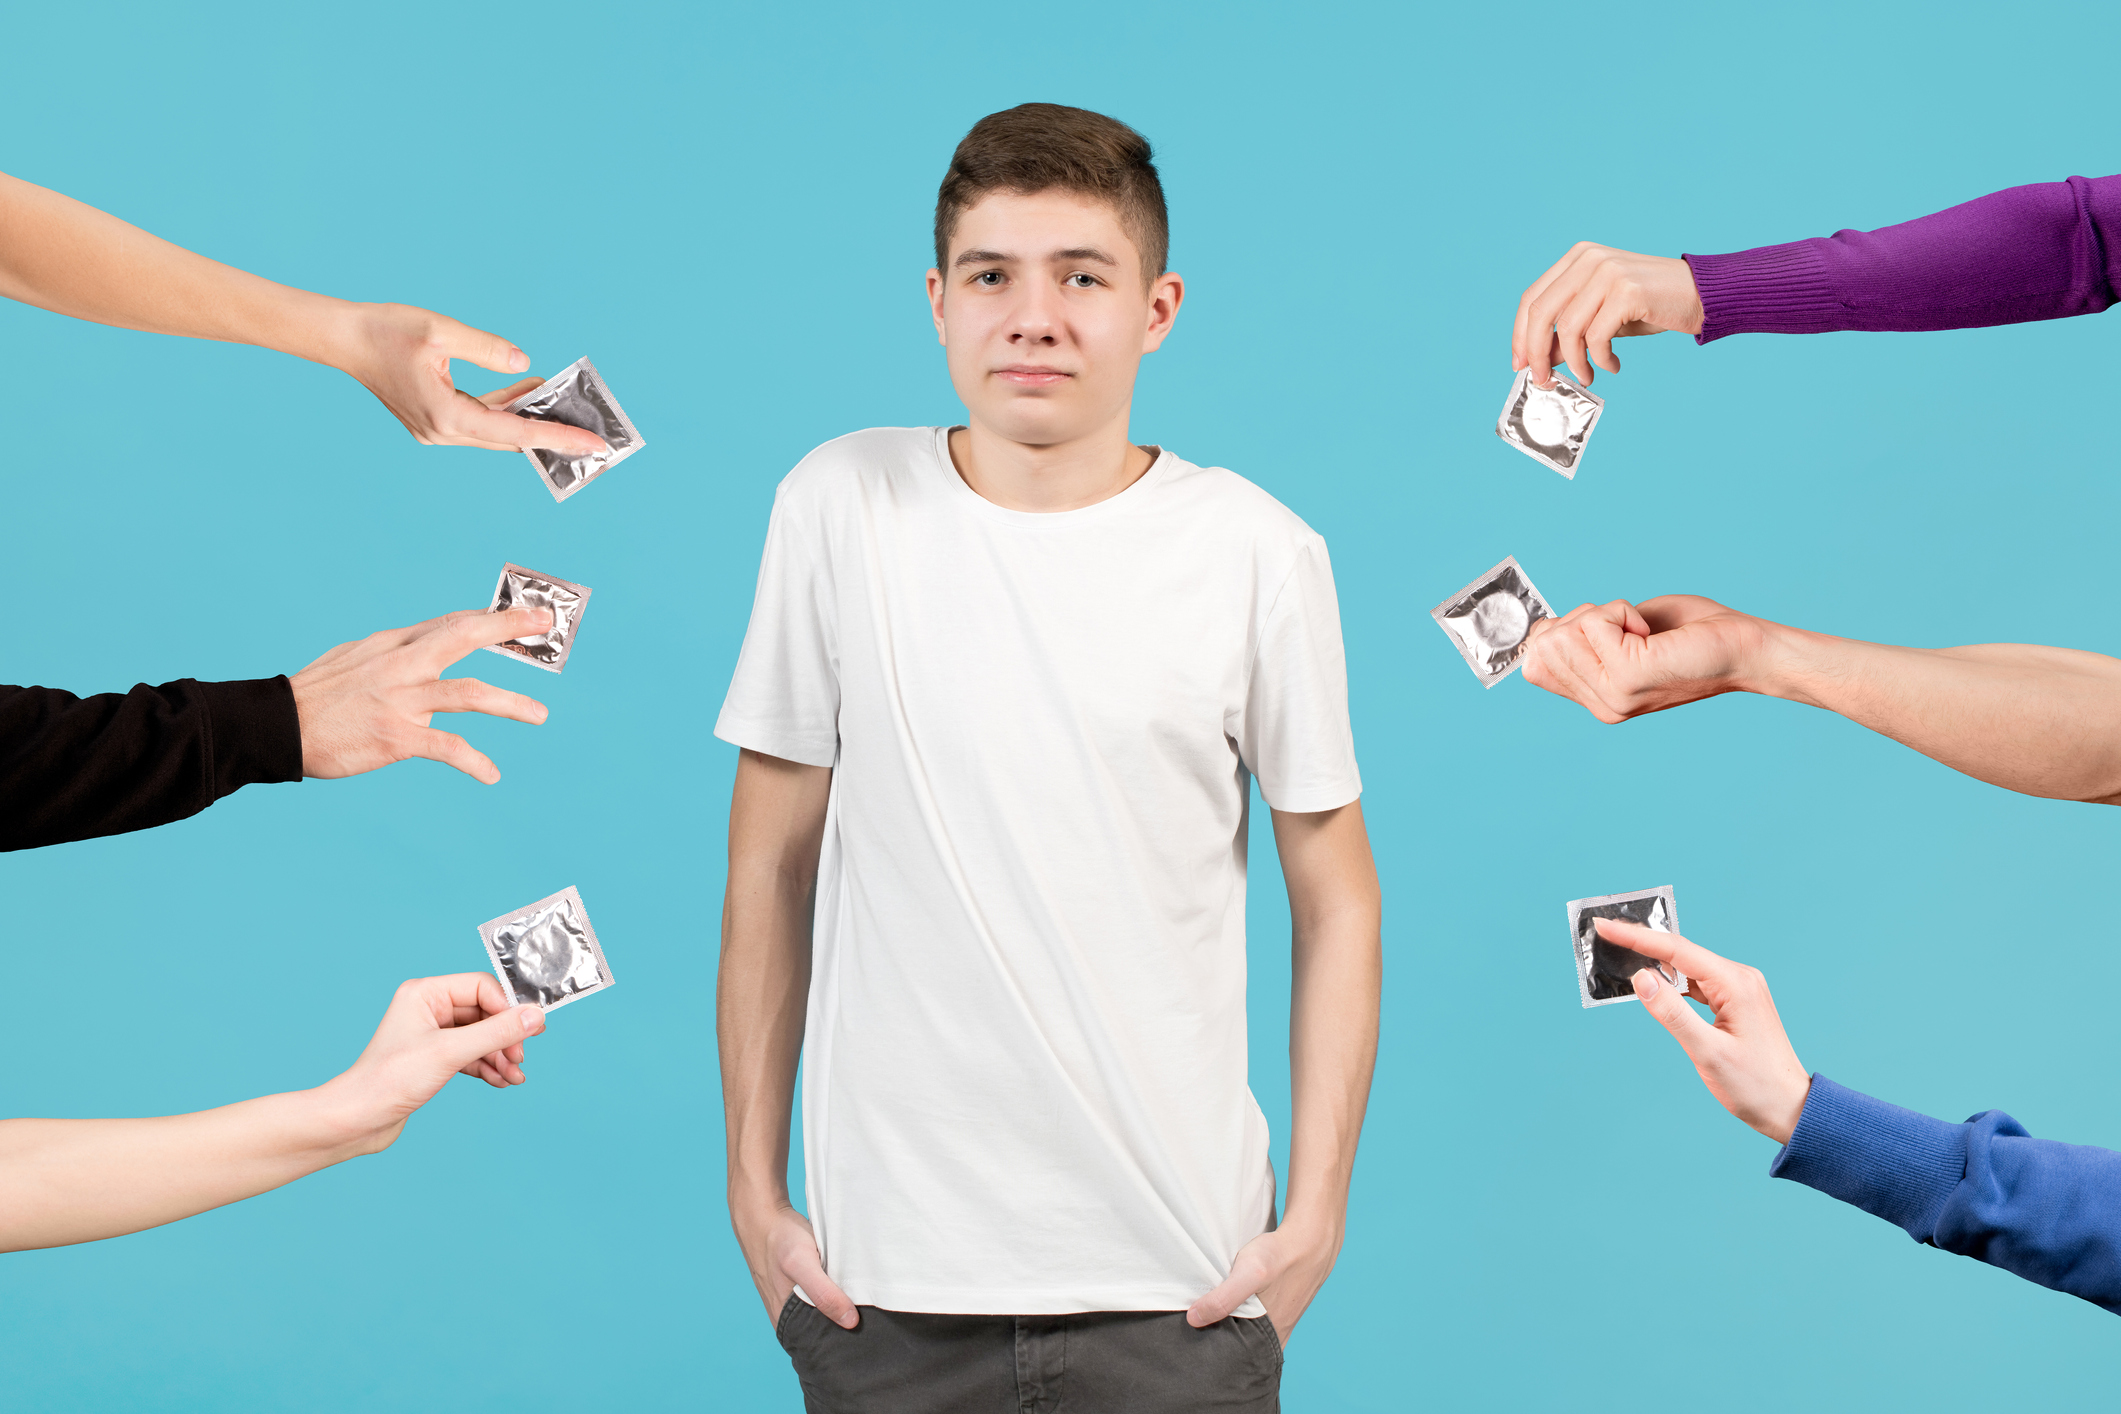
<point x="1099" y="1362"/>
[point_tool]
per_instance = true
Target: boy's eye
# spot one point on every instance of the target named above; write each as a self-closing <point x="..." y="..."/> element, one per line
<point x="989" y="278"/>
<point x="1082" y="281"/>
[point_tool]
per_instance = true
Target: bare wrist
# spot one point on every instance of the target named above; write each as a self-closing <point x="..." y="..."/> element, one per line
<point x="334" y="332"/>
<point x="751" y="1198"/>
<point x="342" y="1119"/>
<point x="1315" y="1221"/>
<point x="1774" y="665"/>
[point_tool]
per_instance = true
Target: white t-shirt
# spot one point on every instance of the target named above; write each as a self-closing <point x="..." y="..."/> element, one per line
<point x="1024" y="1082"/>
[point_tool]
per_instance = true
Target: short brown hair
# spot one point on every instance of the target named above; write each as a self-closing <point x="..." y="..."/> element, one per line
<point x="1037" y="147"/>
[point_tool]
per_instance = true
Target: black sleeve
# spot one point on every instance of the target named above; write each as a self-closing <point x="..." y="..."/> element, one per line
<point x="72" y="768"/>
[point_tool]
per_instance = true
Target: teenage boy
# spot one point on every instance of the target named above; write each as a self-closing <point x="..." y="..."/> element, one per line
<point x="1004" y="692"/>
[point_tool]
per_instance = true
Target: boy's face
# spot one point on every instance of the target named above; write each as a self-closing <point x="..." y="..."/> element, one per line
<point x="1045" y="315"/>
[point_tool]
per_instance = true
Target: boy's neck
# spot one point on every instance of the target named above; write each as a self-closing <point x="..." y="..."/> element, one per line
<point x="1065" y="476"/>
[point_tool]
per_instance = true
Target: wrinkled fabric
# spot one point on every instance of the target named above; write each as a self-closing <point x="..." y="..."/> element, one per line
<point x="2042" y="1210"/>
<point x="2047" y="251"/>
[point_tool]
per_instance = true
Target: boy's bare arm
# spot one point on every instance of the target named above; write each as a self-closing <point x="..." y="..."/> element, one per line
<point x="776" y="826"/>
<point x="1336" y="920"/>
<point x="2043" y="721"/>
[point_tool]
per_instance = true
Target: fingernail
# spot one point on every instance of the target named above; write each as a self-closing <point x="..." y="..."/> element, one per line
<point x="1646" y="983"/>
<point x="518" y="361"/>
<point x="850" y="1320"/>
<point x="533" y="1020"/>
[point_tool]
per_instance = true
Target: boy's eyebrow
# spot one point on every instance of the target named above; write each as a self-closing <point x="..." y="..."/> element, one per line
<point x="995" y="257"/>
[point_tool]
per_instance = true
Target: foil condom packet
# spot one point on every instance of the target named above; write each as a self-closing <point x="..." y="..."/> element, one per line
<point x="578" y="396"/>
<point x="1550" y="425"/>
<point x="527" y="589"/>
<point x="1489" y="619"/>
<point x="1605" y="971"/>
<point x="546" y="953"/>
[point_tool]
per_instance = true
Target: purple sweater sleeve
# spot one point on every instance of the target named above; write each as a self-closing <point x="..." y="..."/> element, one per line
<point x="2038" y="252"/>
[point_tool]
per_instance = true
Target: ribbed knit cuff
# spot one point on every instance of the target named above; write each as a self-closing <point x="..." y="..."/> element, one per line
<point x="1892" y="1163"/>
<point x="256" y="733"/>
<point x="1776" y="289"/>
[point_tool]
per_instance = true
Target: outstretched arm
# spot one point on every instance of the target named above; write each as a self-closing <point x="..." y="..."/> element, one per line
<point x="2048" y="1212"/>
<point x="61" y="255"/>
<point x="77" y="1180"/>
<point x="2042" y="721"/>
<point x="74" y="768"/>
<point x="2045" y="251"/>
<point x="776" y="827"/>
<point x="1338" y="973"/>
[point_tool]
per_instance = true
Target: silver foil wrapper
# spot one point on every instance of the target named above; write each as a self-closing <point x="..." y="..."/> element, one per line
<point x="527" y="589"/>
<point x="1489" y="619"/>
<point x="1605" y="971"/>
<point x="547" y="953"/>
<point x="1551" y="425"/>
<point x="578" y="396"/>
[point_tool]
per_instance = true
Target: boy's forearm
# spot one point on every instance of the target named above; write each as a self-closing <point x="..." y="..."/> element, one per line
<point x="76" y="1180"/>
<point x="1337" y="973"/>
<point x="760" y="1004"/>
<point x="1332" y="1051"/>
<point x="2043" y="721"/>
<point x="776" y="827"/>
<point x="59" y="254"/>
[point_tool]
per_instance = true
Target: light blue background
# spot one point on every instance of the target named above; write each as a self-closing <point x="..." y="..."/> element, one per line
<point x="728" y="209"/>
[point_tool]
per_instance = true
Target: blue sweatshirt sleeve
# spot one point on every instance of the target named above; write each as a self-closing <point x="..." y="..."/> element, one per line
<point x="1985" y="1189"/>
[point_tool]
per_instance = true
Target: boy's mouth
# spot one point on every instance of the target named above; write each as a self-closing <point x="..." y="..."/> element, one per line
<point x="1031" y="375"/>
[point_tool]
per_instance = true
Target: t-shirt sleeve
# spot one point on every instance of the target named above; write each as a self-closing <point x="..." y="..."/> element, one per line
<point x="1293" y="731"/>
<point x="785" y="698"/>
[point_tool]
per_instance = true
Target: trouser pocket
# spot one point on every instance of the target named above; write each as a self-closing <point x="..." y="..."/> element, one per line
<point x="789" y="1308"/>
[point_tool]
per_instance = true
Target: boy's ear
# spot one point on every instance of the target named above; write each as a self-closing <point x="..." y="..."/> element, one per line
<point x="1166" y="293"/>
<point x="935" y="305"/>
